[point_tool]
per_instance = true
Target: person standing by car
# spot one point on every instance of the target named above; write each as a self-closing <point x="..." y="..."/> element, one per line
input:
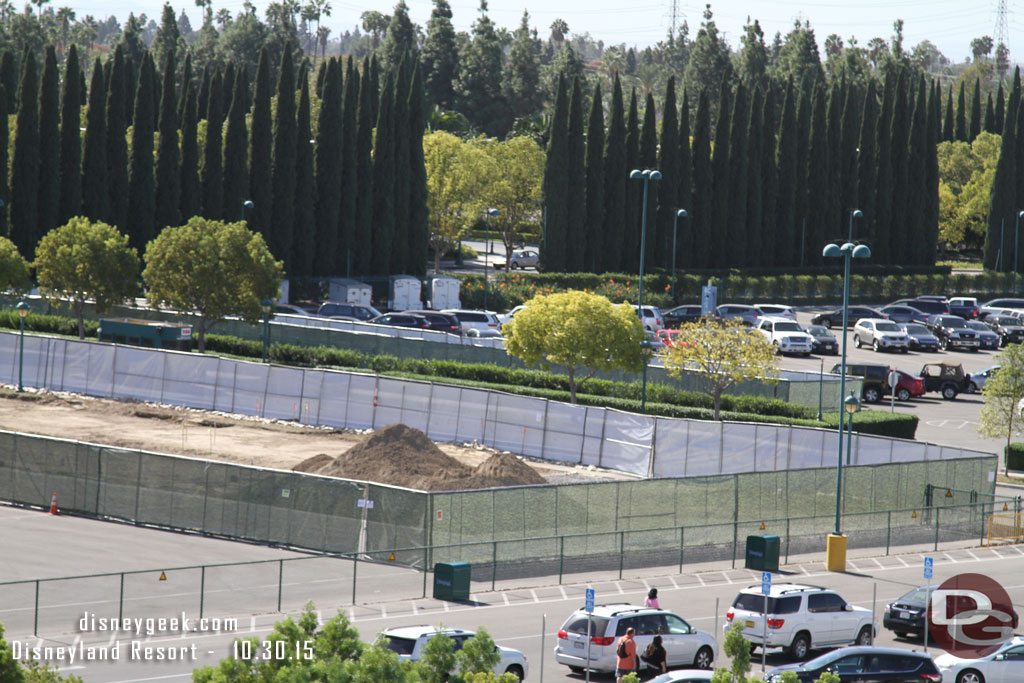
<point x="652" y="599"/>
<point x="655" y="656"/>
<point x="625" y="651"/>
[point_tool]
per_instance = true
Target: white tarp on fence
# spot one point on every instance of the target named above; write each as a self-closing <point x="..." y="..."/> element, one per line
<point x="637" y="444"/>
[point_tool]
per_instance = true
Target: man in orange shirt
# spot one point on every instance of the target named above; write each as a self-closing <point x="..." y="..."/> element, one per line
<point x="625" y="665"/>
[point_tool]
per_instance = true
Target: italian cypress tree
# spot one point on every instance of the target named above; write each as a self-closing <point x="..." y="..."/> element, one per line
<point x="321" y="75"/>
<point x="974" y="127"/>
<point x="928" y="252"/>
<point x="186" y="83"/>
<point x="211" y="173"/>
<point x="478" y="83"/>
<point x="899" y="141"/>
<point x="722" y="197"/>
<point x="350" y="185"/>
<point x="303" y="243"/>
<point x="9" y="79"/>
<point x="556" y="184"/>
<point x="764" y="242"/>
<point x="867" y="165"/>
<point x="4" y="135"/>
<point x="849" y="140"/>
<point x="631" y="226"/>
<point x="364" y="165"/>
<point x="818" y="183"/>
<point x="739" y="164"/>
<point x="95" y="201"/>
<point x="1010" y="251"/>
<point x="1002" y="203"/>
<point x="884" y="173"/>
<point x="168" y="165"/>
<point x="227" y="89"/>
<point x="786" y="163"/>
<point x="1000" y="109"/>
<point x="400" y="176"/>
<point x="749" y="251"/>
<point x="668" y="187"/>
<point x="141" y="224"/>
<point x="576" y="192"/>
<point x="989" y="125"/>
<point x="615" y="172"/>
<point x="328" y="173"/>
<point x="702" y="186"/>
<point x="191" y="191"/>
<point x="203" y="92"/>
<point x="805" y="105"/>
<point x="836" y="94"/>
<point x="283" y="171"/>
<point x="649" y="159"/>
<point x="419" y="223"/>
<point x="261" y="144"/>
<point x="25" y="164"/>
<point x="949" y="124"/>
<point x="594" y="242"/>
<point x="48" y="196"/>
<point x="117" y="147"/>
<point x="684" y="187"/>
<point x="440" y="57"/>
<point x="917" y="176"/>
<point x="384" y="179"/>
<point x="374" y="86"/>
<point x="70" y="141"/>
<point x="235" y="165"/>
<point x="961" y="115"/>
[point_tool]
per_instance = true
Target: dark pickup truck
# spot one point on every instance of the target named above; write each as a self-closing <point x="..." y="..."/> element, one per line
<point x="949" y="379"/>
<point x="953" y="332"/>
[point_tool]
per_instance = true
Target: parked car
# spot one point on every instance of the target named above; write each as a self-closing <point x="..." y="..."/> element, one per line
<point x="684" y="645"/>
<point x="524" y="258"/>
<point x="401" y="320"/>
<point x="684" y="676"/>
<point x="480" y="320"/>
<point x="864" y="665"/>
<point x="786" y="335"/>
<point x="904" y="314"/>
<point x="1016" y="304"/>
<point x="440" y="322"/>
<point x="668" y="337"/>
<point x="687" y="313"/>
<point x="477" y="333"/>
<point x="778" y="310"/>
<point x="987" y="338"/>
<point x="330" y="309"/>
<point x="953" y="332"/>
<point x="1005" y="665"/>
<point x="854" y="313"/>
<point x="651" y="318"/>
<point x="920" y="337"/>
<point x="824" y="341"/>
<point x="904" y="616"/>
<point x="949" y="379"/>
<point x="291" y="309"/>
<point x="880" y="334"/>
<point x="748" y="315"/>
<point x="978" y="379"/>
<point x="506" y="317"/>
<point x="408" y="643"/>
<point x="874" y="376"/>
<point x="932" y="305"/>
<point x="1009" y="328"/>
<point x="964" y="306"/>
<point x="800" y="617"/>
<point x="907" y="385"/>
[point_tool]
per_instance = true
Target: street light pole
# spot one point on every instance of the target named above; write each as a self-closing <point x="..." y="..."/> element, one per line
<point x="266" y="305"/>
<point x="247" y="206"/>
<point x="681" y="213"/>
<point x="647" y="175"/>
<point x="487" y="250"/>
<point x="22" y="309"/>
<point x="850" y="405"/>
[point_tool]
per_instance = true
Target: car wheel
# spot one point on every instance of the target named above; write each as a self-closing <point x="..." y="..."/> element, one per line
<point x="514" y="266"/>
<point x="704" y="658"/>
<point x="970" y="676"/>
<point x="943" y="344"/>
<point x="856" y="341"/>
<point x="576" y="669"/>
<point x="875" y="346"/>
<point x="778" y="351"/>
<point x="872" y="395"/>
<point x="903" y="394"/>
<point x="948" y="392"/>
<point x="800" y="646"/>
<point x="972" y="388"/>
<point x="864" y="637"/>
<point x="905" y="349"/>
<point x="516" y="671"/>
<point x="753" y="648"/>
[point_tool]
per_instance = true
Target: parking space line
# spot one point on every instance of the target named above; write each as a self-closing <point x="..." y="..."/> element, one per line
<point x="534" y="594"/>
<point x="902" y="560"/>
<point x="875" y="560"/>
<point x="619" y="586"/>
<point x="673" y="580"/>
<point x="383" y="612"/>
<point x="562" y="589"/>
<point x="701" y="579"/>
<point x="968" y="551"/>
<point x="994" y="552"/>
<point x="855" y="567"/>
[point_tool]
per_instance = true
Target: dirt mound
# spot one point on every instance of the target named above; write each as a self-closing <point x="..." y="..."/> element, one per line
<point x="402" y="456"/>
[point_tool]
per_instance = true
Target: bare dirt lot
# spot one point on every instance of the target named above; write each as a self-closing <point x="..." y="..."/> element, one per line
<point x="212" y="435"/>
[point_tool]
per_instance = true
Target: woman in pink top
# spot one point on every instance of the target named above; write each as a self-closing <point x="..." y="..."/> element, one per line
<point x="652" y="599"/>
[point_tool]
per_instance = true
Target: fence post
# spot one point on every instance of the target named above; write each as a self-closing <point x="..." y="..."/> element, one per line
<point x="355" y="567"/>
<point x="735" y="540"/>
<point x="202" y="589"/>
<point x="426" y="552"/>
<point x="120" y="600"/>
<point x="622" y="551"/>
<point x="494" y="563"/>
<point x="787" y="540"/>
<point x="280" y="582"/>
<point x="888" y="531"/>
<point x="937" y="510"/>
<point x="561" y="557"/>
<point x="35" y="621"/>
<point x="682" y="544"/>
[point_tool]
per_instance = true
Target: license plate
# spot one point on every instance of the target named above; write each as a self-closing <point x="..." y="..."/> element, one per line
<point x="578" y="644"/>
<point x="750" y="624"/>
<point x="904" y="615"/>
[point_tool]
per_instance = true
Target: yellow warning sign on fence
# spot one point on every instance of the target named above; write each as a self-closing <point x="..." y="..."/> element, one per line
<point x="762" y="526"/>
<point x="163" y="576"/>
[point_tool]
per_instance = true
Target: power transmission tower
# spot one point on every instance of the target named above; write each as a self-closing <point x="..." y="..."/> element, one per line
<point x="1002" y="30"/>
<point x="675" y="16"/>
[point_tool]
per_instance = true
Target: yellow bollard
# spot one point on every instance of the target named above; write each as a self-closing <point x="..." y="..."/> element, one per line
<point x="835" y="553"/>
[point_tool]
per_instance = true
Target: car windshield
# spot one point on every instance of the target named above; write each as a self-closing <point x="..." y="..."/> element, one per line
<point x="578" y="624"/>
<point x="772" y="310"/>
<point x="818" y="331"/>
<point x="824" y="660"/>
<point x="1008" y="321"/>
<point x="975" y="325"/>
<point x="918" y="596"/>
<point x="950" y="321"/>
<point x="402" y="646"/>
<point x="917" y="329"/>
<point x="755" y="603"/>
<point x="787" y="327"/>
<point x="887" y="327"/>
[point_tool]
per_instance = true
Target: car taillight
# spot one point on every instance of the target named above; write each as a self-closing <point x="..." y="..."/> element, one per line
<point x="602" y="640"/>
<point x="729" y="614"/>
<point x="562" y="634"/>
<point x="775" y="623"/>
<point x="931" y="677"/>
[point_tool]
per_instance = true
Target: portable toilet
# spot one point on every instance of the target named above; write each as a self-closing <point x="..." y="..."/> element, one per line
<point x="443" y="293"/>
<point x="404" y="293"/>
<point x="349" y="291"/>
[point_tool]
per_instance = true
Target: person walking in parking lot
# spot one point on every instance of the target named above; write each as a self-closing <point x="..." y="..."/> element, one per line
<point x="652" y="599"/>
<point x="625" y="651"/>
<point x="655" y="656"/>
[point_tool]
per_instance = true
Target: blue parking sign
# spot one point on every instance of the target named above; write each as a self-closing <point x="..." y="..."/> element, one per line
<point x="766" y="582"/>
<point x="929" y="564"/>
<point x="590" y="600"/>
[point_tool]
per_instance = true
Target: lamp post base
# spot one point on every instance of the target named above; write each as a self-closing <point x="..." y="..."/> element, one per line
<point x="835" y="553"/>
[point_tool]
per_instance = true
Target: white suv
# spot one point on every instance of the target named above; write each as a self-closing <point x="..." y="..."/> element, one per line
<point x="880" y="334"/>
<point x="652" y="318"/>
<point x="786" y="335"/>
<point x="475" y="320"/>
<point x="800" y="617"/>
<point x="684" y="645"/>
<point x="408" y="643"/>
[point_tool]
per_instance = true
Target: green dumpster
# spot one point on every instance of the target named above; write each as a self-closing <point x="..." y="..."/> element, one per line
<point x="451" y="581"/>
<point x="763" y="553"/>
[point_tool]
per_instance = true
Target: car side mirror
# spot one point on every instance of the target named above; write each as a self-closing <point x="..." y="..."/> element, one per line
<point x="1000" y="657"/>
<point x="847" y="607"/>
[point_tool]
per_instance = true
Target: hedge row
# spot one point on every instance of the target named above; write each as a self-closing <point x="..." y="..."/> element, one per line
<point x="1014" y="454"/>
<point x="47" y="324"/>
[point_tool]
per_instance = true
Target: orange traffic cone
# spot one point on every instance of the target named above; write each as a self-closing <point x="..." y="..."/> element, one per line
<point x="53" y="504"/>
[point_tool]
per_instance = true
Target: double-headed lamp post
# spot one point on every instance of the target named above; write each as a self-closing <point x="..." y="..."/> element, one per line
<point x="247" y="206"/>
<point x="681" y="213"/>
<point x="647" y="175"/>
<point x="487" y="248"/>
<point x="851" y="405"/>
<point x="836" y="561"/>
<point x="267" y="305"/>
<point x="22" y="309"/>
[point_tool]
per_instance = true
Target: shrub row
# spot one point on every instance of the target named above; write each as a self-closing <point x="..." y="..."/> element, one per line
<point x="1014" y="455"/>
<point x="48" y="324"/>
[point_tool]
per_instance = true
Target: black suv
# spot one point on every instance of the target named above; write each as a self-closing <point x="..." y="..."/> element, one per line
<point x="864" y="664"/>
<point x="1009" y="328"/>
<point x="687" y="313"/>
<point x="875" y="378"/>
<point x="929" y="305"/>
<point x="339" y="308"/>
<point x="953" y="332"/>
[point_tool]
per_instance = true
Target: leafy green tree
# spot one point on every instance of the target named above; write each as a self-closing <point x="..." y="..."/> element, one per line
<point x="723" y="354"/>
<point x="974" y="127"/>
<point x="478" y="84"/>
<point x="479" y="654"/>
<point x="261" y="150"/>
<point x="1000" y="110"/>
<point x="864" y="184"/>
<point x="400" y="38"/>
<point x="1003" y="199"/>
<point x="630" y="257"/>
<point x="213" y="268"/>
<point x="10" y="670"/>
<point x="168" y="166"/>
<point x="948" y="126"/>
<point x="576" y="185"/>
<point x="787" y="162"/>
<point x="751" y="63"/>
<point x="556" y="186"/>
<point x="94" y="150"/>
<point x="117" y="146"/>
<point x="616" y="171"/>
<point x="594" y="243"/>
<point x="884" y="174"/>
<point x="798" y="58"/>
<point x="384" y="180"/>
<point x="710" y="64"/>
<point x="240" y="43"/>
<point x="438" y="660"/>
<point x="917" y="178"/>
<point x="25" y="160"/>
<point x="1000" y="415"/>
<point x="235" y="164"/>
<point x="521" y="79"/>
<point x="84" y="260"/>
<point x="9" y="80"/>
<point x="141" y="223"/>
<point x="167" y="43"/>
<point x="187" y="82"/>
<point x="303" y="244"/>
<point x="580" y="332"/>
<point x="282" y="212"/>
<point x="211" y="174"/>
<point x="515" y="192"/>
<point x="440" y="58"/>
<point x="14" y="272"/>
<point x="899" y="139"/>
<point x="70" y="177"/>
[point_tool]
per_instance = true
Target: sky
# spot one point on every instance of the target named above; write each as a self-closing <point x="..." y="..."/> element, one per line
<point x="949" y="24"/>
